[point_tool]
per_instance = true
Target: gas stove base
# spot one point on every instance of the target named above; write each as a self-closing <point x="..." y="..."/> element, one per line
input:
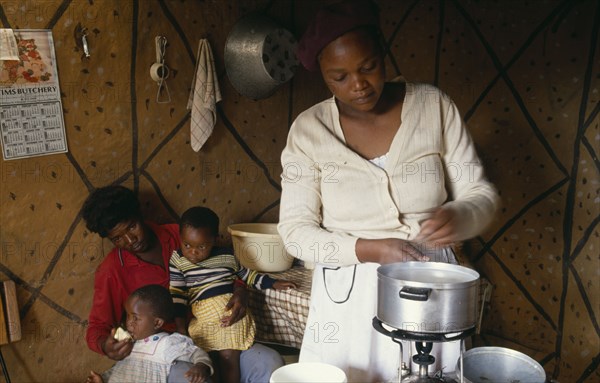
<point x="426" y="379"/>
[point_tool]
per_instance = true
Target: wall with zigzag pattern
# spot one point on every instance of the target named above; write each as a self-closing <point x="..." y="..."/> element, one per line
<point x="525" y="75"/>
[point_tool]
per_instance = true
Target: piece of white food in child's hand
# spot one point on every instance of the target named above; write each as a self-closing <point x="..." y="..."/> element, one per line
<point x="121" y="334"/>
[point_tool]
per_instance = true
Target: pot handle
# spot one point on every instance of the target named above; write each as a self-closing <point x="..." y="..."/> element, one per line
<point x="415" y="293"/>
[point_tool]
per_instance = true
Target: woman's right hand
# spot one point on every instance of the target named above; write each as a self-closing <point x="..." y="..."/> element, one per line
<point x="238" y="305"/>
<point x="114" y="349"/>
<point x="388" y="250"/>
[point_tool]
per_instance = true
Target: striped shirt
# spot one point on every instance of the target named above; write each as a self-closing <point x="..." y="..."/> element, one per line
<point x="213" y="276"/>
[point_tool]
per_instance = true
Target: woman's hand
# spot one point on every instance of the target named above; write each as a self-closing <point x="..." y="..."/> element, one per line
<point x="284" y="285"/>
<point x="198" y="373"/>
<point x="116" y="350"/>
<point x="440" y="228"/>
<point x="388" y="250"/>
<point x="237" y="304"/>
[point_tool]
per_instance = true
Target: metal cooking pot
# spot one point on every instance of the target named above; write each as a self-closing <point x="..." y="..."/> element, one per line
<point x="259" y="56"/>
<point x="497" y="364"/>
<point x="427" y="297"/>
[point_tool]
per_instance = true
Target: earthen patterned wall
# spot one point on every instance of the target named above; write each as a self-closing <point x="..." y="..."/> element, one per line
<point x="526" y="76"/>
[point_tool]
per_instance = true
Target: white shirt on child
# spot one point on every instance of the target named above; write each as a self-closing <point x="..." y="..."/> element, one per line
<point x="151" y="359"/>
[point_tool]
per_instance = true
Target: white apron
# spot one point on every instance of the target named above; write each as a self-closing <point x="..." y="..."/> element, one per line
<point x="339" y="328"/>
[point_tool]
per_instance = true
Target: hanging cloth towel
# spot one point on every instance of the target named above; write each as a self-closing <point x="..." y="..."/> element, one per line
<point x="204" y="96"/>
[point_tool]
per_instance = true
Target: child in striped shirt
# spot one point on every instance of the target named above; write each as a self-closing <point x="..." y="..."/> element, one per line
<point x="202" y="277"/>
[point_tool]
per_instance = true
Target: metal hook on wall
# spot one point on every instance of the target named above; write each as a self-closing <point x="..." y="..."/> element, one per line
<point x="81" y="40"/>
<point x="159" y="71"/>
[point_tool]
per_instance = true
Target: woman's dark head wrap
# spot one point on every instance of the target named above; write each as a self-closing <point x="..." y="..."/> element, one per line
<point x="331" y="22"/>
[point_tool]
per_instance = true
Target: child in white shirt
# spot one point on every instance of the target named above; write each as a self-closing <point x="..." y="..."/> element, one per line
<point x="154" y="350"/>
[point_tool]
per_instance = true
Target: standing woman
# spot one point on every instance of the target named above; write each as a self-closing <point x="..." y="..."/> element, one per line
<point x="382" y="172"/>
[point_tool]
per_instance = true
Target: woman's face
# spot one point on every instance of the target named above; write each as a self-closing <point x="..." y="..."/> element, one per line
<point x="141" y="322"/>
<point x="353" y="69"/>
<point x="196" y="243"/>
<point x="131" y="235"/>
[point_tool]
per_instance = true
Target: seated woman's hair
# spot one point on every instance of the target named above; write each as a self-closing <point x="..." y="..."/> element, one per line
<point x="158" y="298"/>
<point x="198" y="217"/>
<point x="108" y="206"/>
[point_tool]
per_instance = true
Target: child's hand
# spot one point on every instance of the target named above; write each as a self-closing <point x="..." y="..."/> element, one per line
<point x="199" y="373"/>
<point x="94" y="377"/>
<point x="284" y="285"/>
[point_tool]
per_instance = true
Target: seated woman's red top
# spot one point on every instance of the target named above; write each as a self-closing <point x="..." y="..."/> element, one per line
<point x="119" y="275"/>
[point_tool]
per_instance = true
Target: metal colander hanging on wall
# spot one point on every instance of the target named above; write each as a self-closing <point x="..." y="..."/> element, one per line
<point x="259" y="56"/>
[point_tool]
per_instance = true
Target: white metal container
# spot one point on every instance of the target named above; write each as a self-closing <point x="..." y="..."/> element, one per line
<point x="308" y="373"/>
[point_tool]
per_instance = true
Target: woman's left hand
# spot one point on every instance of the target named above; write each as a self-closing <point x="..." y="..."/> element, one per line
<point x="440" y="228"/>
<point x="237" y="304"/>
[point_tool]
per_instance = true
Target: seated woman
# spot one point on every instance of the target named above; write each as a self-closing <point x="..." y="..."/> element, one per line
<point x="141" y="257"/>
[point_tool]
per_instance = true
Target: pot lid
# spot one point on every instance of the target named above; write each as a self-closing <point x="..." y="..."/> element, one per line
<point x="428" y="273"/>
<point x="498" y="364"/>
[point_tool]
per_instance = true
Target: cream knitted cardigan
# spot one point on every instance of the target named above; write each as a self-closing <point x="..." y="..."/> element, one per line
<point x="332" y="196"/>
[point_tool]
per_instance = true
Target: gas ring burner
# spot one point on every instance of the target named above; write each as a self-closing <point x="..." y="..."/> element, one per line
<point x="421" y="336"/>
<point x="423" y="358"/>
